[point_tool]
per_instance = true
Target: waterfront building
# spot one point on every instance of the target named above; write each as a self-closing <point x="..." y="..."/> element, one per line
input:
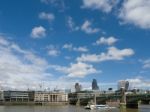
<point x="1" y="96"/>
<point x="123" y="84"/>
<point x="45" y="96"/>
<point x="18" y="96"/>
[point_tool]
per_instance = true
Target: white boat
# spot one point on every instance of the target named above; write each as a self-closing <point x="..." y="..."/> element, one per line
<point x="95" y="106"/>
<point x="92" y="107"/>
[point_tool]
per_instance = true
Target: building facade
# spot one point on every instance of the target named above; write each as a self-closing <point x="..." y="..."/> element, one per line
<point x="18" y="96"/>
<point x="123" y="84"/>
<point x="1" y="96"/>
<point x="42" y="96"/>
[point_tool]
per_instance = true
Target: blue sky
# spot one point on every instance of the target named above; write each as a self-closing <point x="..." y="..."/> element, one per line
<point x="57" y="43"/>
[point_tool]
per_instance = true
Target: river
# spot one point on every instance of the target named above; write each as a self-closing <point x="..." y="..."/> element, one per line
<point x="65" y="109"/>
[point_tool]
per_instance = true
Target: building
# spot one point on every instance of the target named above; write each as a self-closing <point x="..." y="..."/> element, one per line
<point x="123" y="84"/>
<point x="94" y="85"/>
<point x="78" y="87"/>
<point x="50" y="97"/>
<point x="1" y="96"/>
<point x="18" y="96"/>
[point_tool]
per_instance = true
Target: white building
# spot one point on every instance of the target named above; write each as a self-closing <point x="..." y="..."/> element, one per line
<point x="123" y="84"/>
<point x="42" y="96"/>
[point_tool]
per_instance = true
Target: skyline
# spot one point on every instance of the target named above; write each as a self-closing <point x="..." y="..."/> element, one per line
<point x="60" y="43"/>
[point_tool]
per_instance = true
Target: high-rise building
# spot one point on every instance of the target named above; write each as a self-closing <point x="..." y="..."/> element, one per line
<point x="123" y="84"/>
<point x="94" y="85"/>
<point x="77" y="87"/>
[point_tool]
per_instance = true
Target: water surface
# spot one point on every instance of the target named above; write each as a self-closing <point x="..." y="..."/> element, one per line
<point x="65" y="109"/>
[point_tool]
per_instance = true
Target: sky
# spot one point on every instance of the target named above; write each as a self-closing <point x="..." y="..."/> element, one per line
<point x="52" y="44"/>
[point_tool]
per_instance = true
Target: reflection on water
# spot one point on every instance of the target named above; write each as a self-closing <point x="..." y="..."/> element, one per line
<point x="64" y="109"/>
<point x="130" y="110"/>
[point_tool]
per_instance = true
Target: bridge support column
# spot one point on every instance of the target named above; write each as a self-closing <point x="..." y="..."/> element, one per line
<point x="123" y="99"/>
<point x="78" y="102"/>
<point x="122" y="105"/>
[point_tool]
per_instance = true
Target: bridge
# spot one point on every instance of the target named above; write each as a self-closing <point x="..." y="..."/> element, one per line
<point x="129" y="100"/>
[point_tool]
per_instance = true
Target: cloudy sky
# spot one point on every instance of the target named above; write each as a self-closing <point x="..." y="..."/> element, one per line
<point x="56" y="43"/>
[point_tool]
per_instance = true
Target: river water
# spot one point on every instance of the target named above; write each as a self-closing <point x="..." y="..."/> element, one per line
<point x="65" y="109"/>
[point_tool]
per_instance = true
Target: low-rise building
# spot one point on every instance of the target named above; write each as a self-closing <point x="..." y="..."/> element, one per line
<point x="1" y="96"/>
<point x="44" y="96"/>
<point x="19" y="96"/>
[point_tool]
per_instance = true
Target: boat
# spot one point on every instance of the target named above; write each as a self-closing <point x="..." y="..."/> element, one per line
<point x="97" y="107"/>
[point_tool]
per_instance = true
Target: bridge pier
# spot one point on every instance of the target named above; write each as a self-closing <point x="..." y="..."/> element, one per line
<point x="123" y="98"/>
<point x="122" y="105"/>
<point x="132" y="105"/>
<point x="78" y="102"/>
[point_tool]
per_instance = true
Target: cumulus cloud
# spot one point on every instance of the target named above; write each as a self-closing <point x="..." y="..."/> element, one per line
<point x="53" y="51"/>
<point x="80" y="49"/>
<point x="71" y="24"/>
<point x="70" y="47"/>
<point x="3" y="41"/>
<point x="106" y="41"/>
<point x="47" y="16"/>
<point x="139" y="83"/>
<point x="146" y="63"/>
<point x="59" y="4"/>
<point x="20" y="67"/>
<point x="103" y="5"/>
<point x="78" y="70"/>
<point x="86" y="27"/>
<point x="112" y="54"/>
<point x="136" y="12"/>
<point x="38" y="32"/>
<point x="67" y="46"/>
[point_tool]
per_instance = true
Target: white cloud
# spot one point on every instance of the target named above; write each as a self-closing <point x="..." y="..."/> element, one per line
<point x="112" y="54"/>
<point x="77" y="70"/>
<point x="53" y="51"/>
<point x="136" y="12"/>
<point x="139" y="83"/>
<point x="20" y="67"/>
<point x="59" y="4"/>
<point x="70" y="47"/>
<point x="80" y="49"/>
<point x="38" y="32"/>
<point x="71" y="24"/>
<point x="86" y="27"/>
<point x="146" y="63"/>
<point x="3" y="41"/>
<point x="107" y="41"/>
<point x="47" y="16"/>
<point x="104" y="5"/>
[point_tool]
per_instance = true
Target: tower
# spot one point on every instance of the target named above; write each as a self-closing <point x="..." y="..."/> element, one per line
<point x="94" y="85"/>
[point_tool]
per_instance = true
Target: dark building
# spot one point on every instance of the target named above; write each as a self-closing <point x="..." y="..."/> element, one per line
<point x="94" y="85"/>
<point x="19" y="96"/>
<point x="77" y="87"/>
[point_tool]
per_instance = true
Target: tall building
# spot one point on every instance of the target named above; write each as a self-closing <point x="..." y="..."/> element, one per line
<point x="77" y="87"/>
<point x="94" y="85"/>
<point x="123" y="84"/>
